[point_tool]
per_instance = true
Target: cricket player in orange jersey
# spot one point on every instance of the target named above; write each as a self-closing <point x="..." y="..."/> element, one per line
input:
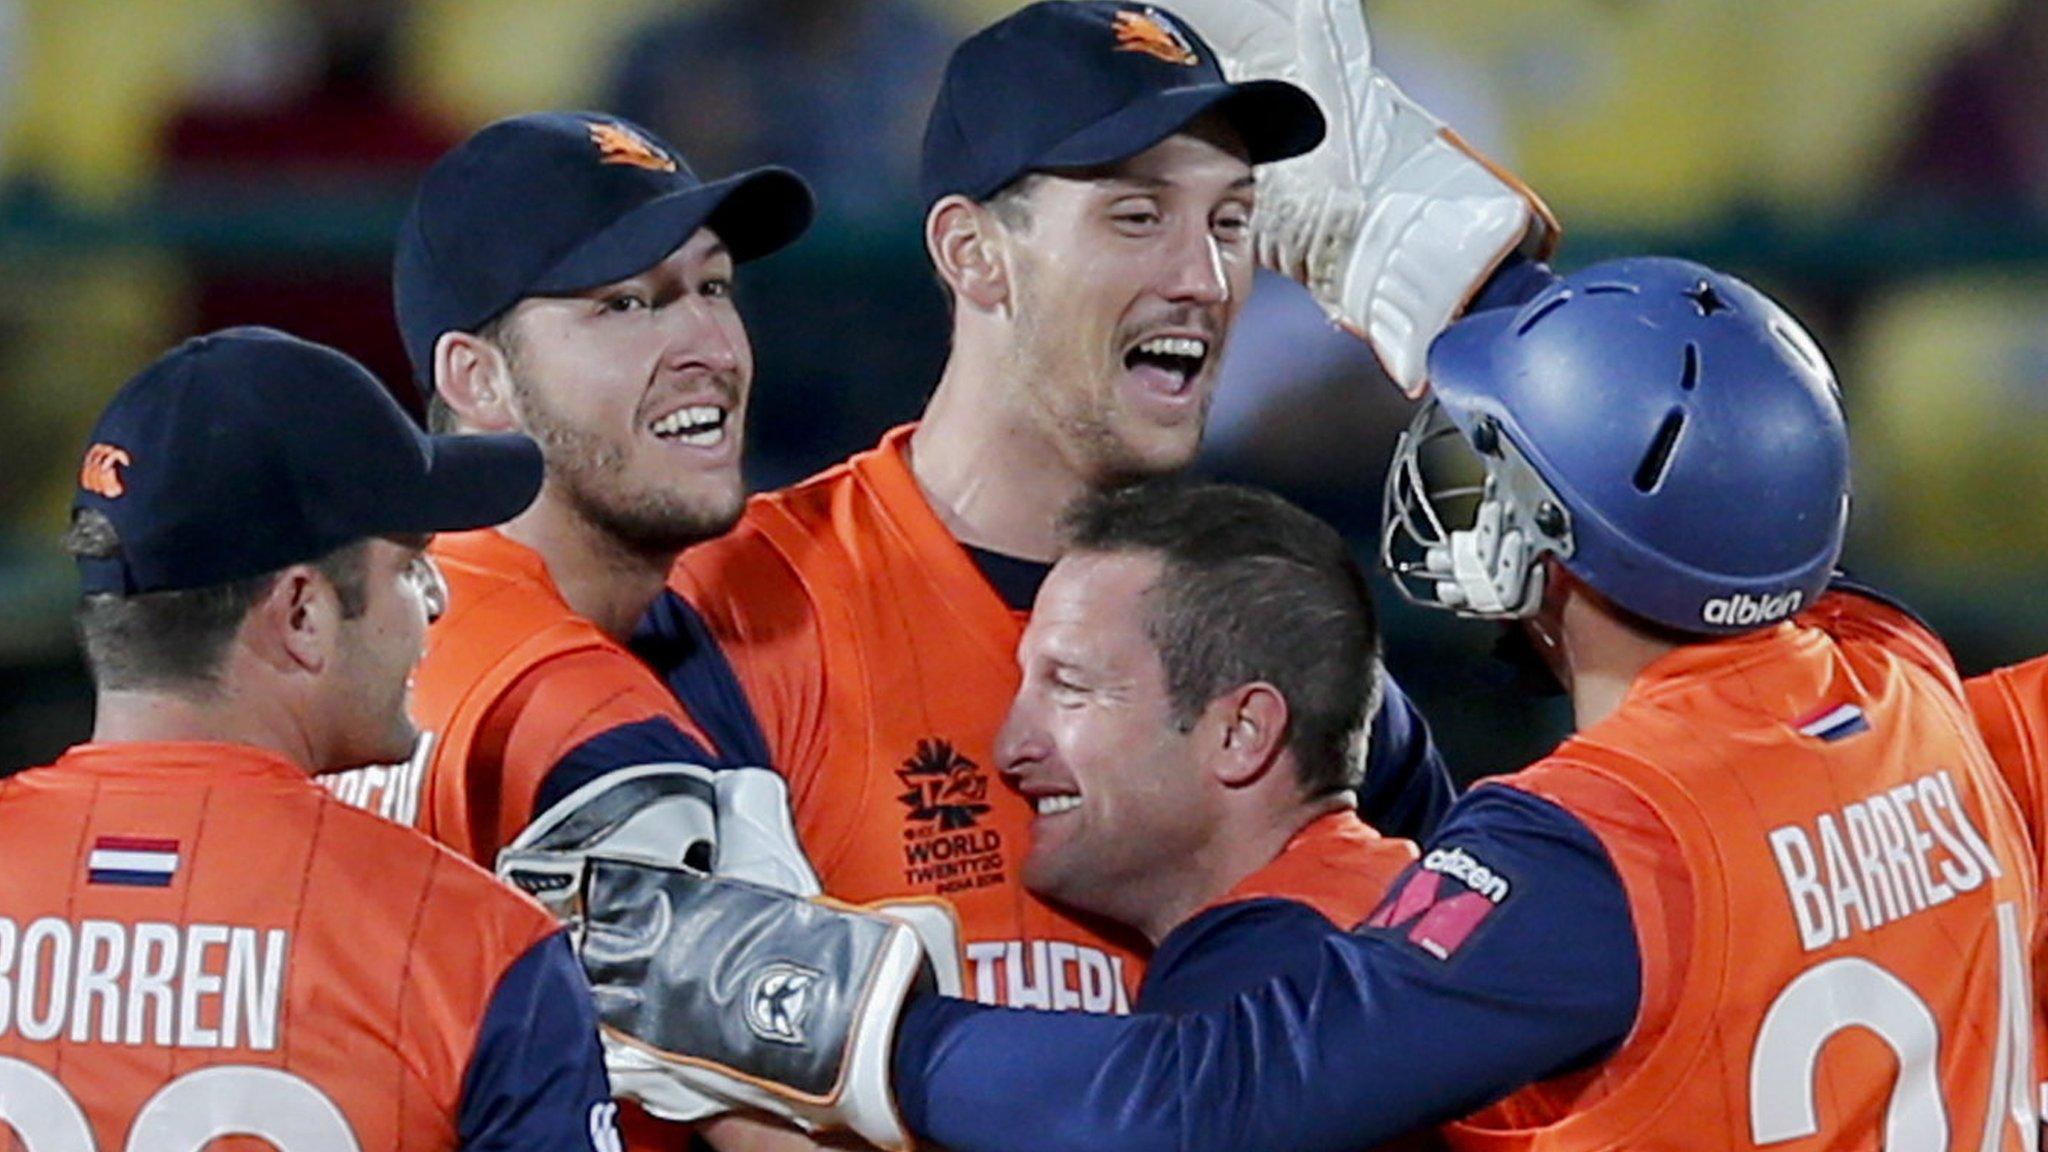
<point x="566" y="275"/>
<point x="1201" y="662"/>
<point x="198" y="947"/>
<point x="1089" y="177"/>
<point x="1773" y="894"/>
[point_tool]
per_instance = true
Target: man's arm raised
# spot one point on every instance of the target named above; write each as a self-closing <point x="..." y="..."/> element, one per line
<point x="1393" y="223"/>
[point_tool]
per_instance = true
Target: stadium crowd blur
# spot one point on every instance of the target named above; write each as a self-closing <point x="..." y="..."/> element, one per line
<point x="168" y="166"/>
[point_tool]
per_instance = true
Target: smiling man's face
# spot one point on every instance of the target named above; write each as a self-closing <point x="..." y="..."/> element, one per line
<point x="637" y="393"/>
<point x="1127" y="281"/>
<point x="1091" y="738"/>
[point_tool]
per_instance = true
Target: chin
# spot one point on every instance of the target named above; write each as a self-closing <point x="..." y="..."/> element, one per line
<point x="669" y="525"/>
<point x="1153" y="453"/>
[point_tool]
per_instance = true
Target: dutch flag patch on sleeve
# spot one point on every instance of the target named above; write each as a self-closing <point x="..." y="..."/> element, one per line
<point x="136" y="861"/>
<point x="1836" y="723"/>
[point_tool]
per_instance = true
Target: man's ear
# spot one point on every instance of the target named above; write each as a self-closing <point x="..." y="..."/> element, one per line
<point x="295" y="627"/>
<point x="1247" y="728"/>
<point x="472" y="376"/>
<point x="966" y="244"/>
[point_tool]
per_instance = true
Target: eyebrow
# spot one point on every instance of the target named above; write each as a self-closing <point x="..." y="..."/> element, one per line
<point x="713" y="251"/>
<point x="1152" y="183"/>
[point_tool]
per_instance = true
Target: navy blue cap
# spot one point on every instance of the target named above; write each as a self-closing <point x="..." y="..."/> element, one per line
<point x="554" y="203"/>
<point x="249" y="450"/>
<point x="1076" y="83"/>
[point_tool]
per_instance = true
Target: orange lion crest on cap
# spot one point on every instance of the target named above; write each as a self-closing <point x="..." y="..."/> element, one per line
<point x="618" y="144"/>
<point x="101" y="472"/>
<point x="1149" y="33"/>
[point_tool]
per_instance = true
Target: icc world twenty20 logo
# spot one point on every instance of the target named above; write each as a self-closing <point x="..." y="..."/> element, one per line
<point x="946" y="848"/>
<point x="945" y="787"/>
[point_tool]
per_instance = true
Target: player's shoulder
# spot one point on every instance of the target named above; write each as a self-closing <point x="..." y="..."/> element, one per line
<point x="502" y="604"/>
<point x="587" y="678"/>
<point x="506" y="619"/>
<point x="2025" y="682"/>
<point x="1860" y="616"/>
<point x="426" y="883"/>
<point x="803" y="518"/>
<point x="1337" y="865"/>
<point x="795" y="548"/>
<point x="2010" y="707"/>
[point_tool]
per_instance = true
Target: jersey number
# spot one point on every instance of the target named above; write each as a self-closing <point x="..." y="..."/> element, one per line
<point x="184" y="1115"/>
<point x="1853" y="992"/>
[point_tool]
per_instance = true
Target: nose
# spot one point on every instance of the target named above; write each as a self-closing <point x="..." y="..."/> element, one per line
<point x="1195" y="272"/>
<point x="704" y="332"/>
<point x="1018" y="745"/>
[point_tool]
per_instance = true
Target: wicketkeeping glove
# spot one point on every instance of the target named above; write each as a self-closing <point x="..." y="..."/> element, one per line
<point x="735" y="821"/>
<point x="709" y="988"/>
<point x="1393" y="223"/>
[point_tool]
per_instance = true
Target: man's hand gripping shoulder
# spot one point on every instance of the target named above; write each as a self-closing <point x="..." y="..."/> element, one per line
<point x="1393" y="223"/>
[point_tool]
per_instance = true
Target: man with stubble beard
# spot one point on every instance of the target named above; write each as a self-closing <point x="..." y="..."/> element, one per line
<point x="565" y="275"/>
<point x="1089" y="177"/>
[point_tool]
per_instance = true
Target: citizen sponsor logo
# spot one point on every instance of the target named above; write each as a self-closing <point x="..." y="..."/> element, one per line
<point x="1454" y="862"/>
<point x="778" y="1000"/>
<point x="1742" y="609"/>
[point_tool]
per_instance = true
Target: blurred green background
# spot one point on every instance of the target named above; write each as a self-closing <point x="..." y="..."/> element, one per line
<point x="169" y="166"/>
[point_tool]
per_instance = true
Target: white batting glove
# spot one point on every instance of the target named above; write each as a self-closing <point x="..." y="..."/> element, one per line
<point x="1392" y="223"/>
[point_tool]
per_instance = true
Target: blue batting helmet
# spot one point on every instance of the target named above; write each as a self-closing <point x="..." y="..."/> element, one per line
<point x="1668" y="433"/>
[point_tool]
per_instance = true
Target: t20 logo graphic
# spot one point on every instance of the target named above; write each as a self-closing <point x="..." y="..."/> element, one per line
<point x="945" y="786"/>
<point x="945" y="847"/>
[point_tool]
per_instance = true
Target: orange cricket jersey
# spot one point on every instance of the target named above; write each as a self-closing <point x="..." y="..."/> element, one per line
<point x="513" y="679"/>
<point x="880" y="663"/>
<point x="196" y="941"/>
<point x="1833" y="897"/>
<point x="1337" y="864"/>
<point x="2011" y="706"/>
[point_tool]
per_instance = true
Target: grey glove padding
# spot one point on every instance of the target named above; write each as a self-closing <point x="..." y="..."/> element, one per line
<point x="731" y="974"/>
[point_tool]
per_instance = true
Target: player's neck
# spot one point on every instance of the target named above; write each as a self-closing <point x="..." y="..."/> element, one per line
<point x="600" y="578"/>
<point x="225" y="717"/>
<point x="1252" y="836"/>
<point x="1605" y="656"/>
<point x="990" y="475"/>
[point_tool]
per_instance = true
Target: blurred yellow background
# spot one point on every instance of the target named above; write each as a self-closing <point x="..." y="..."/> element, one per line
<point x="1837" y="152"/>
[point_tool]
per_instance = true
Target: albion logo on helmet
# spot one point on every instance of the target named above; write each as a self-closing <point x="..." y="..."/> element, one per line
<point x="1743" y="609"/>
